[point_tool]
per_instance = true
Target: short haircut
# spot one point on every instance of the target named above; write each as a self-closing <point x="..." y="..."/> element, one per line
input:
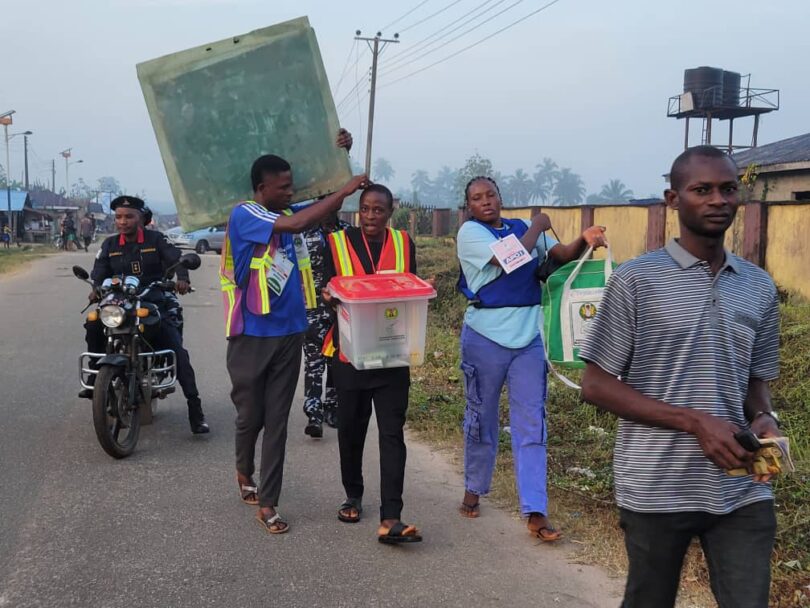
<point x="382" y="190"/>
<point x="479" y="178"/>
<point x="267" y="164"/>
<point x="676" y="173"/>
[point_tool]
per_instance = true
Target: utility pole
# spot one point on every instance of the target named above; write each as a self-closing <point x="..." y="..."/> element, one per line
<point x="53" y="176"/>
<point x="375" y="53"/>
<point x="66" y="155"/>
<point x="25" y="147"/>
<point x="6" y="120"/>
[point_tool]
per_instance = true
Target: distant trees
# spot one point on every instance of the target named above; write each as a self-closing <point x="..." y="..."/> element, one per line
<point x="520" y="188"/>
<point x="476" y="165"/>
<point x="382" y="170"/>
<point x="612" y="192"/>
<point x="109" y="184"/>
<point x="548" y="185"/>
<point x="544" y="177"/>
<point x="568" y="188"/>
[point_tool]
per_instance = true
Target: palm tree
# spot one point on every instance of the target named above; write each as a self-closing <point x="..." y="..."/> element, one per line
<point x="568" y="188"/>
<point x="615" y="191"/>
<point x="521" y="189"/>
<point x="444" y="186"/>
<point x="421" y="184"/>
<point x="383" y="170"/>
<point x="544" y="179"/>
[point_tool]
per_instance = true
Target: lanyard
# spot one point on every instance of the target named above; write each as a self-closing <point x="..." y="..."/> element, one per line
<point x="368" y="250"/>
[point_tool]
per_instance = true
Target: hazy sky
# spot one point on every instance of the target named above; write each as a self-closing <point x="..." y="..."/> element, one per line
<point x="585" y="82"/>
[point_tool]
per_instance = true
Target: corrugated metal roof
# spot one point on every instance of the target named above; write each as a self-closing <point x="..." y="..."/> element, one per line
<point x="18" y="198"/>
<point x="791" y="150"/>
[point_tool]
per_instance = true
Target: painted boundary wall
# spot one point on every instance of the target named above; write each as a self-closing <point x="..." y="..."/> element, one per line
<point x="772" y="235"/>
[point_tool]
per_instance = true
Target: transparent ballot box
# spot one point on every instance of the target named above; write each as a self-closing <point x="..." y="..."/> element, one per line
<point x="382" y="319"/>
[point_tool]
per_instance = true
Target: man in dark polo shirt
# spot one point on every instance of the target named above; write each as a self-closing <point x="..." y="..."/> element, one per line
<point x="682" y="349"/>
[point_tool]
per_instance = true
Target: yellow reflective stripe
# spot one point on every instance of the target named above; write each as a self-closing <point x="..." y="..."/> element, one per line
<point x="344" y="260"/>
<point x="264" y="293"/>
<point x="308" y="282"/>
<point x="229" y="317"/>
<point x="399" y="248"/>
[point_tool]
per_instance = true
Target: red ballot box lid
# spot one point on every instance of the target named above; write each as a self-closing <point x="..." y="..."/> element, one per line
<point x="381" y="288"/>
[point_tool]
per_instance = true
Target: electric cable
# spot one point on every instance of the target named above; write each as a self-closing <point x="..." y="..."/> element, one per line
<point x="466" y="48"/>
<point x="398" y="19"/>
<point x="429" y="17"/>
<point x="345" y="68"/>
<point x="443" y="32"/>
<point x="461" y="35"/>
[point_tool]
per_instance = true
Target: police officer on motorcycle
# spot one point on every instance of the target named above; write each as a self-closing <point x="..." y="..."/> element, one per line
<point x="146" y="254"/>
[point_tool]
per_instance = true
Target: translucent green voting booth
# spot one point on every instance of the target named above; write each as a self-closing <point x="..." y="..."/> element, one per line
<point x="218" y="107"/>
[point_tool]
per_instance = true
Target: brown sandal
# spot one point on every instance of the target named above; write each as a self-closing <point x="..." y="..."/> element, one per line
<point x="469" y="511"/>
<point x="273" y="524"/>
<point x="546" y="533"/>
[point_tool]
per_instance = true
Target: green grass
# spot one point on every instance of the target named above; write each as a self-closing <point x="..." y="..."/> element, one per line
<point x="581" y="441"/>
<point x="16" y="257"/>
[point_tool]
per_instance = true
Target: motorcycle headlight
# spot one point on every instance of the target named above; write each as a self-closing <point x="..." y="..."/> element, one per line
<point x="112" y="316"/>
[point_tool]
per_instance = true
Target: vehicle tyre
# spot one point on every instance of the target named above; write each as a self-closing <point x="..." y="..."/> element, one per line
<point x="201" y="247"/>
<point x="112" y="415"/>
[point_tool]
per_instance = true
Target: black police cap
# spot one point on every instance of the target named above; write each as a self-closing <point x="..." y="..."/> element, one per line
<point x="128" y="202"/>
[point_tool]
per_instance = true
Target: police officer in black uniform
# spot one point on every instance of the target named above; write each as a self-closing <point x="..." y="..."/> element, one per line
<point x="146" y="254"/>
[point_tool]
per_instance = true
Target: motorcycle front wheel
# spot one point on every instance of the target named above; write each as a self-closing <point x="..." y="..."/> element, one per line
<point x="117" y="422"/>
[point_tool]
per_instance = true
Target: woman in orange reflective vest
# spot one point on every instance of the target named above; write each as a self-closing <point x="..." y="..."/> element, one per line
<point x="370" y="249"/>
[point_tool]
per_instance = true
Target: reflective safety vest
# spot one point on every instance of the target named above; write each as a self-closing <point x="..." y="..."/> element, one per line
<point x="256" y="296"/>
<point x="395" y="257"/>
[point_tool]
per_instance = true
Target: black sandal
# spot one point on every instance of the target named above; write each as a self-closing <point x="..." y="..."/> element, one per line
<point x="349" y="504"/>
<point x="249" y="493"/>
<point x="398" y="533"/>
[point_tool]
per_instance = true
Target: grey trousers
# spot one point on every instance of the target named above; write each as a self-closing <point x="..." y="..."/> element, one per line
<point x="264" y="374"/>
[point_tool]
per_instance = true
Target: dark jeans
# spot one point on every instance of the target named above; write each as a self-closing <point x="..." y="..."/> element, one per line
<point x="737" y="547"/>
<point x="354" y="413"/>
<point x="168" y="337"/>
<point x="264" y="373"/>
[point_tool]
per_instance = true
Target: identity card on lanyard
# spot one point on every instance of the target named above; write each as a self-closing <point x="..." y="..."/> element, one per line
<point x="510" y="253"/>
<point x="280" y="270"/>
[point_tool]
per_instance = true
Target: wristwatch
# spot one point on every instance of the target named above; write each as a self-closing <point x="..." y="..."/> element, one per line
<point x="771" y="413"/>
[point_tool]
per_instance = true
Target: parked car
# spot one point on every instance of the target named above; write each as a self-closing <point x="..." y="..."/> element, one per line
<point x="206" y="239"/>
<point x="176" y="236"/>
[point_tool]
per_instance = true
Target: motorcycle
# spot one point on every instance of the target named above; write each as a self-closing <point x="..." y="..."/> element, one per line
<point x="130" y="376"/>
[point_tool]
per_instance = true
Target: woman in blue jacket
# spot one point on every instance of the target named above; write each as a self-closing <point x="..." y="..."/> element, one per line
<point x="501" y="343"/>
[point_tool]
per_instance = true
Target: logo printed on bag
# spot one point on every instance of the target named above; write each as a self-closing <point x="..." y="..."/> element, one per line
<point x="587" y="311"/>
<point x="391" y="313"/>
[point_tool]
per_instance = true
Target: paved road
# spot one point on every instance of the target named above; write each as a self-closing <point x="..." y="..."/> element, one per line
<point x="164" y="528"/>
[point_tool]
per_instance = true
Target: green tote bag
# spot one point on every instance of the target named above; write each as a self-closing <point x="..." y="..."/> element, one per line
<point x="571" y="299"/>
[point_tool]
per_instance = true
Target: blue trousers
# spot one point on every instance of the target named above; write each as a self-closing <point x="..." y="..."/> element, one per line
<point x="487" y="366"/>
